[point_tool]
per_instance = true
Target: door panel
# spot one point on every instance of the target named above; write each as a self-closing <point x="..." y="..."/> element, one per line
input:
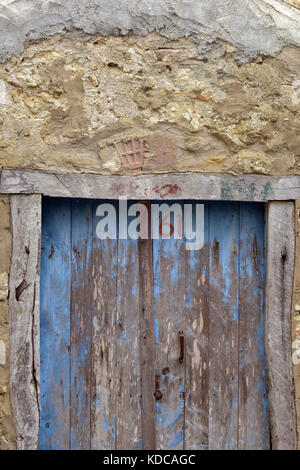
<point x="223" y="326"/>
<point x="55" y="325"/>
<point x="112" y="313"/>
<point x="116" y="367"/>
<point x="169" y="319"/>
<point x="127" y="366"/>
<point x="81" y="319"/>
<point x="253" y="403"/>
<point x="197" y="344"/>
<point x="104" y="380"/>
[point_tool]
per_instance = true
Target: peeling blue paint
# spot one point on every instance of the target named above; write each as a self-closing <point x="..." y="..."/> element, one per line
<point x="232" y="226"/>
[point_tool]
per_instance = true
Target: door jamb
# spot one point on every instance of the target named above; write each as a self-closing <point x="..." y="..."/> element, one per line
<point x="26" y="189"/>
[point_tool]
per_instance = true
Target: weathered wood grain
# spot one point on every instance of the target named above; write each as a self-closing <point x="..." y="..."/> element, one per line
<point x="127" y="367"/>
<point x="253" y="403"/>
<point x="169" y="319"/>
<point x="197" y="354"/>
<point x="81" y="319"/>
<point x="55" y="325"/>
<point x="223" y="328"/>
<point x="205" y="186"/>
<point x="217" y="303"/>
<point x="24" y="299"/>
<point x="280" y="269"/>
<point x="146" y="333"/>
<point x="104" y="341"/>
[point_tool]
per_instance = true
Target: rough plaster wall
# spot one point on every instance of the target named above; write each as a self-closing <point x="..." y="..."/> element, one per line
<point x="295" y="3"/>
<point x="72" y="106"/>
<point x="253" y="26"/>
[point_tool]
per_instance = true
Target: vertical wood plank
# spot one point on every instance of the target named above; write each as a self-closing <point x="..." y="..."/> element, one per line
<point x="280" y="270"/>
<point x="223" y="330"/>
<point x="295" y="322"/>
<point x="81" y="317"/>
<point x="24" y="286"/>
<point x="55" y="325"/>
<point x="169" y="319"/>
<point x="116" y="408"/>
<point x="253" y="402"/>
<point x="127" y="368"/>
<point x="147" y="338"/>
<point x="197" y="357"/>
<point x="104" y="340"/>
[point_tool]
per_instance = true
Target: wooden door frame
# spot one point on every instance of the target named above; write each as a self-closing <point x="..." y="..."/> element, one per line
<point x="26" y="189"/>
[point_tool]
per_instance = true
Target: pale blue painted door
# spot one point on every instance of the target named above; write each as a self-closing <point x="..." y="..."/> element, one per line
<point x="209" y="360"/>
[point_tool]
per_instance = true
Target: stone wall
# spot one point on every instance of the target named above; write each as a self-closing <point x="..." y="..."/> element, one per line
<point x="72" y="106"/>
<point x="79" y="102"/>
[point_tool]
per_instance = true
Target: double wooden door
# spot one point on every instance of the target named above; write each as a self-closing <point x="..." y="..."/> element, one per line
<point x="145" y="344"/>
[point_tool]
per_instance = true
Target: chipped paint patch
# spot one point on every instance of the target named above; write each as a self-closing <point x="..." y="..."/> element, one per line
<point x="296" y="92"/>
<point x="4" y="97"/>
<point x="2" y="353"/>
<point x="3" y="286"/>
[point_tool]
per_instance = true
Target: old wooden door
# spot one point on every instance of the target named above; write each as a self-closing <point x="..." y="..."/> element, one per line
<point x="200" y="350"/>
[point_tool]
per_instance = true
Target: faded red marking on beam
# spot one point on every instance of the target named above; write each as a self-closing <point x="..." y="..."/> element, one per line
<point x="133" y="187"/>
<point x="163" y="191"/>
<point x="116" y="189"/>
<point x="167" y="190"/>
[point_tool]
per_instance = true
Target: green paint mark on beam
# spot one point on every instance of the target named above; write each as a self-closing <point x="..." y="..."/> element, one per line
<point x="268" y="191"/>
<point x="225" y="191"/>
<point x="241" y="190"/>
<point x="251" y="192"/>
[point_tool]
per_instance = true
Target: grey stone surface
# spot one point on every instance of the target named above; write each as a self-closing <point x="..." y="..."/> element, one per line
<point x="253" y="26"/>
